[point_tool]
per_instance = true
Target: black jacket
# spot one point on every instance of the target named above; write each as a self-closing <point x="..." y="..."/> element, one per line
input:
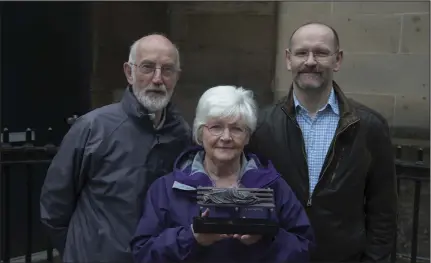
<point x="94" y="190"/>
<point x="354" y="205"/>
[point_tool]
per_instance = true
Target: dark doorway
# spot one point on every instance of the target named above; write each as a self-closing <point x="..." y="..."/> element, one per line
<point x="46" y="63"/>
<point x="45" y="69"/>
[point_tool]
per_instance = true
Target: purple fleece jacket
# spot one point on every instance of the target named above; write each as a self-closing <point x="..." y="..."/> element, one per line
<point x="164" y="233"/>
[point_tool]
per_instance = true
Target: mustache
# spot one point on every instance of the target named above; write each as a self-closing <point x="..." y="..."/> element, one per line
<point x="309" y="71"/>
<point x="312" y="69"/>
<point x="153" y="88"/>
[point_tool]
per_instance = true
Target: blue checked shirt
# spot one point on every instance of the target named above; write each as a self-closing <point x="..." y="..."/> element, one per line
<point x="318" y="134"/>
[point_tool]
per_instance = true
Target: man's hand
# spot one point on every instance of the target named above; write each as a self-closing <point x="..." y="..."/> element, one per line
<point x="208" y="239"/>
<point x="247" y="239"/>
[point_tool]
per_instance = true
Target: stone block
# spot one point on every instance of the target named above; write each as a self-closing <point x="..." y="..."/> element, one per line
<point x="368" y="34"/>
<point x="249" y="70"/>
<point x="111" y="42"/>
<point x="150" y="16"/>
<point x="207" y="67"/>
<point x="255" y="72"/>
<point x="412" y="110"/>
<point x="280" y="93"/>
<point x="178" y="29"/>
<point x="186" y="99"/>
<point x="416" y="34"/>
<point x="230" y="32"/>
<point x="283" y="77"/>
<point x="287" y="24"/>
<point x="383" y="104"/>
<point x="379" y="8"/>
<point x="305" y="9"/>
<point x="234" y="7"/>
<point x="385" y="74"/>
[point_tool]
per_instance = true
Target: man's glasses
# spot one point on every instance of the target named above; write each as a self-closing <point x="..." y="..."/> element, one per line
<point x="319" y="55"/>
<point x="150" y="68"/>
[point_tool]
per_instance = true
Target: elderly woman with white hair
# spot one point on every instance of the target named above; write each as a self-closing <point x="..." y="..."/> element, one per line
<point x="225" y="118"/>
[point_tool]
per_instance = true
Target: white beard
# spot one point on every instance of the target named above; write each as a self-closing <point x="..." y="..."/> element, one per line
<point x="154" y="102"/>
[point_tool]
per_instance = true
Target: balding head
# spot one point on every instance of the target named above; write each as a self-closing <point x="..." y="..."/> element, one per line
<point x="150" y="41"/>
<point x="153" y="71"/>
<point x="316" y="27"/>
<point x="314" y="56"/>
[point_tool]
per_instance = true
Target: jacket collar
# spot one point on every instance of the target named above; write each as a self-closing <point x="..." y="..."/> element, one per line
<point x="347" y="112"/>
<point x="136" y="111"/>
<point x="188" y="177"/>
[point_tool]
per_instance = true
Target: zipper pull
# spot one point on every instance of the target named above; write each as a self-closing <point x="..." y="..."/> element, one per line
<point x="309" y="202"/>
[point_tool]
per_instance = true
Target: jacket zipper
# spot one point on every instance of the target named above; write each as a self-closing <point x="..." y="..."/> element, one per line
<point x="305" y="157"/>
<point x="310" y="195"/>
<point x="310" y="199"/>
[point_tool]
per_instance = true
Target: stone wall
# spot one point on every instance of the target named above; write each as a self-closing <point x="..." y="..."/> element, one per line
<point x="223" y="43"/>
<point x="386" y="44"/>
<point x="220" y="43"/>
<point x="386" y="62"/>
<point x="116" y="25"/>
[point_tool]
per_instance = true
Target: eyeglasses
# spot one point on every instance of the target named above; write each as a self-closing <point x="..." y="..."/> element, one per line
<point x="319" y="55"/>
<point x="234" y="131"/>
<point x="150" y="68"/>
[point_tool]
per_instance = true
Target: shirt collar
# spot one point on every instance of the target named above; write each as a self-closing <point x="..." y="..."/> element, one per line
<point x="162" y="120"/>
<point x="332" y="102"/>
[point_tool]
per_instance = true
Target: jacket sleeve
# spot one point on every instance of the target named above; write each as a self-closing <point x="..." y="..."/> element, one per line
<point x="381" y="196"/>
<point x="63" y="182"/>
<point x="155" y="240"/>
<point x="295" y="237"/>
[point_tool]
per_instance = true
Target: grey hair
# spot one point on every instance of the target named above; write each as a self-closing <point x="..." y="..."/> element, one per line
<point x="222" y="102"/>
<point x="134" y="47"/>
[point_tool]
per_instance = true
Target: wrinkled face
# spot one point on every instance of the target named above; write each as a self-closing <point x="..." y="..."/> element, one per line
<point x="153" y="75"/>
<point x="224" y="138"/>
<point x="313" y="57"/>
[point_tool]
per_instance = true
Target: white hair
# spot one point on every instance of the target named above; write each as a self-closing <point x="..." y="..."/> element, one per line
<point x="225" y="102"/>
<point x="134" y="47"/>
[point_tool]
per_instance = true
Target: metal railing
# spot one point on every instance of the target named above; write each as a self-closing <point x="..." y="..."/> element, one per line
<point x="21" y="166"/>
<point x="29" y="156"/>
<point x="416" y="171"/>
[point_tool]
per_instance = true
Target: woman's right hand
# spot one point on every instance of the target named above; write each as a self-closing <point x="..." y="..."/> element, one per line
<point x="208" y="239"/>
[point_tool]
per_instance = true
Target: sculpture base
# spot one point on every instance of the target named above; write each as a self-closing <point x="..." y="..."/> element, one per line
<point x="241" y="226"/>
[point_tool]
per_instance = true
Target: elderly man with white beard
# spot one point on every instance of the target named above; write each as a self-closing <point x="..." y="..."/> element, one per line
<point x="94" y="189"/>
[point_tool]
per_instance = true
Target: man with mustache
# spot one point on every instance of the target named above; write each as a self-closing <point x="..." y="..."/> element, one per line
<point x="335" y="153"/>
<point x="94" y="190"/>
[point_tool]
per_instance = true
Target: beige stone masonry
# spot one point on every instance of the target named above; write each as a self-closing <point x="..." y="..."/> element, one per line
<point x="387" y="62"/>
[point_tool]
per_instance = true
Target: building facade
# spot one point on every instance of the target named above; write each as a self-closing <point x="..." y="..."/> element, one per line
<point x="386" y="45"/>
<point x="60" y="59"/>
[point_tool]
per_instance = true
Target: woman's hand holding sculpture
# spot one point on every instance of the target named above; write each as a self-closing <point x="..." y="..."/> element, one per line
<point x="208" y="239"/>
<point x="247" y="239"/>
